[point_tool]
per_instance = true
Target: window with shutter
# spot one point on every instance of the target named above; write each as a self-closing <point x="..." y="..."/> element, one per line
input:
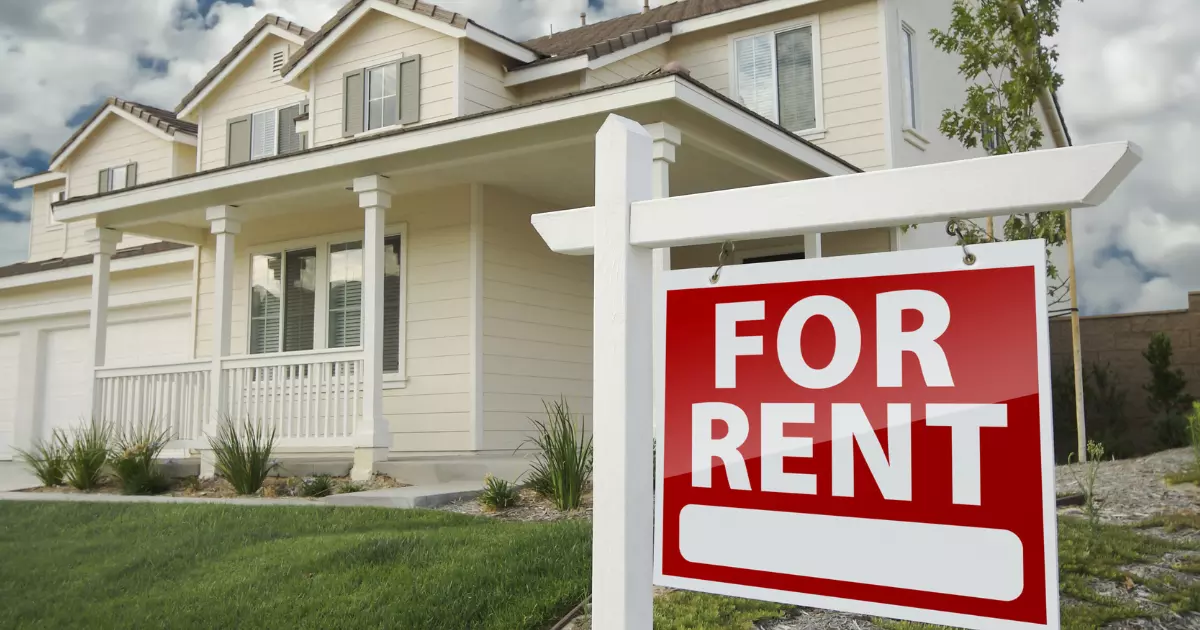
<point x="776" y="76"/>
<point x="353" y="103"/>
<point x="237" y="147"/>
<point x="118" y="178"/>
<point x="383" y="96"/>
<point x="264" y="134"/>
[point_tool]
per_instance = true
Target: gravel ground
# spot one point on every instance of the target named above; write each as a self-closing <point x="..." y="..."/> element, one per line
<point x="1133" y="490"/>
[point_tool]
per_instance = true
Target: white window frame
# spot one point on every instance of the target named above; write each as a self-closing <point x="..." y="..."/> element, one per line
<point x="818" y="131"/>
<point x="55" y="196"/>
<point x="911" y="92"/>
<point x="367" y="96"/>
<point x="322" y="244"/>
<point x="274" y="137"/>
<point x="112" y="180"/>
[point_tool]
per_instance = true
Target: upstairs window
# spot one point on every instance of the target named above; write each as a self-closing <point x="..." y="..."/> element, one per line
<point x="118" y="177"/>
<point x="263" y="129"/>
<point x="776" y="75"/>
<point x="908" y="74"/>
<point x="381" y="96"/>
<point x="265" y="134"/>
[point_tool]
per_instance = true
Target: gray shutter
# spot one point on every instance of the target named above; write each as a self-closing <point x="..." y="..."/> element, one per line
<point x="410" y="89"/>
<point x="289" y="140"/>
<point x="131" y="175"/>
<point x="104" y="181"/>
<point x="352" y="103"/>
<point x="237" y="145"/>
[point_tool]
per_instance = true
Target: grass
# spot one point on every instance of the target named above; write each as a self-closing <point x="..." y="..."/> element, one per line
<point x="205" y="566"/>
<point x="684" y="610"/>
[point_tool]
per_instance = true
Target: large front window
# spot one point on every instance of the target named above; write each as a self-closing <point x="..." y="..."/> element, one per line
<point x="776" y="75"/>
<point x="292" y="308"/>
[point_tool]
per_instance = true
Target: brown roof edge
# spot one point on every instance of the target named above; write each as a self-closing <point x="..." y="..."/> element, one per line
<point x="649" y="76"/>
<point x="269" y="19"/>
<point x="20" y="269"/>
<point x="160" y="119"/>
<point x="452" y="18"/>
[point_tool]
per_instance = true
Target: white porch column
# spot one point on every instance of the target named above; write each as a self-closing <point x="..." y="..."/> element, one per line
<point x="666" y="139"/>
<point x="226" y="224"/>
<point x="812" y="246"/>
<point x="372" y="436"/>
<point x="103" y="244"/>
<point x="622" y="404"/>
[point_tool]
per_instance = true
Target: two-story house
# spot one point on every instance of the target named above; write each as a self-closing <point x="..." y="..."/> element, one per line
<point x="331" y="234"/>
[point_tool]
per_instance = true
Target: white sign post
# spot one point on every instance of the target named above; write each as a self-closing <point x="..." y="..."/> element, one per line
<point x="626" y="225"/>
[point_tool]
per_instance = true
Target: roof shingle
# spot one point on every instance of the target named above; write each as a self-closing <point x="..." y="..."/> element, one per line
<point x="161" y="119"/>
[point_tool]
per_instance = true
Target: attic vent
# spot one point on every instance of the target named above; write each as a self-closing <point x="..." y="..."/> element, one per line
<point x="278" y="58"/>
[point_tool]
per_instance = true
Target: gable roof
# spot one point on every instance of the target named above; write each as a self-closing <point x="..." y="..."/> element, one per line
<point x="452" y="18"/>
<point x="267" y="20"/>
<point x="581" y="39"/>
<point x="158" y="119"/>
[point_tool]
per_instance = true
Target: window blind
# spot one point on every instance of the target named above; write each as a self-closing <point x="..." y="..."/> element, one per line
<point x="299" y="299"/>
<point x="797" y="85"/>
<point x="756" y="75"/>
<point x="391" y="304"/>
<point x="345" y="295"/>
<point x="265" y="302"/>
<point x="263" y="134"/>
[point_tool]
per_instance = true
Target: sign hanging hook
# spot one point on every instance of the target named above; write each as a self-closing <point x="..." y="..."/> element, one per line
<point x="727" y="249"/>
<point x="954" y="228"/>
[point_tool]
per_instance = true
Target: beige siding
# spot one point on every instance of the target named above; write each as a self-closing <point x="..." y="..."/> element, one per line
<point x="253" y="87"/>
<point x="184" y="160"/>
<point x="537" y="322"/>
<point x="117" y="142"/>
<point x="627" y="68"/>
<point x="432" y="413"/>
<point x="46" y="239"/>
<point x="851" y="67"/>
<point x="138" y="286"/>
<point x="483" y="80"/>
<point x="377" y="39"/>
<point x="550" y="88"/>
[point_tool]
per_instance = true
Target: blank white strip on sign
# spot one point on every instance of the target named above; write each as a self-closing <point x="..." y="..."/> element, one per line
<point x="948" y="559"/>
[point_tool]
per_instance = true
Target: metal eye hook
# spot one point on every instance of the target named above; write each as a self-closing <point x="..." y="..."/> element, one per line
<point x="727" y="249"/>
<point x="954" y="228"/>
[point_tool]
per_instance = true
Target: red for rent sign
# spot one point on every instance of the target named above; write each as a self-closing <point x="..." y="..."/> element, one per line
<point x="869" y="434"/>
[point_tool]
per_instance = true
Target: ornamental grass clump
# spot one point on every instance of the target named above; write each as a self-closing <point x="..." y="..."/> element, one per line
<point x="243" y="454"/>
<point x="498" y="494"/>
<point x="317" y="487"/>
<point x="47" y="460"/>
<point x="134" y="459"/>
<point x="562" y="466"/>
<point x="85" y="453"/>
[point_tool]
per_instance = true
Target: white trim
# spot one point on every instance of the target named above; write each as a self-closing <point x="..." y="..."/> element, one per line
<point x="911" y="114"/>
<point x="85" y="270"/>
<point x="1057" y="179"/>
<point x="473" y="32"/>
<point x="885" y="15"/>
<point x="545" y="70"/>
<point x="991" y="256"/>
<point x="506" y="47"/>
<point x="475" y="318"/>
<point x="600" y="102"/>
<point x="113" y="110"/>
<point x="199" y="141"/>
<point x="811" y="21"/>
<point x="737" y="15"/>
<point x="321" y="244"/>
<point x="37" y="180"/>
<point x="53" y="224"/>
<point x="581" y="62"/>
<point x="230" y="67"/>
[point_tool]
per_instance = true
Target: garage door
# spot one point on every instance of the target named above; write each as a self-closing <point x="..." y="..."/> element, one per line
<point x="67" y="366"/>
<point x="9" y="349"/>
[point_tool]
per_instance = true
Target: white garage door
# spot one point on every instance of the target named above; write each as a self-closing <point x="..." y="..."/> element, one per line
<point x="9" y="349"/>
<point x="67" y="363"/>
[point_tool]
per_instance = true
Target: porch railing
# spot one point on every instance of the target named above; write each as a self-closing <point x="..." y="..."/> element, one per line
<point x="176" y="396"/>
<point x="308" y="396"/>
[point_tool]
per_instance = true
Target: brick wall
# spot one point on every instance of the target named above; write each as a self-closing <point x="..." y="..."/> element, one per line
<point x="1119" y="341"/>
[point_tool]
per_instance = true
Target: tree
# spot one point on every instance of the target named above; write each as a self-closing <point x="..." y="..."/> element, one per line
<point x="1009" y="66"/>
<point x="1164" y="391"/>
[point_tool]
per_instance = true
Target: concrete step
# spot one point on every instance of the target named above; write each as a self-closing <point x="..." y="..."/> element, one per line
<point x="423" y="496"/>
<point x="421" y="471"/>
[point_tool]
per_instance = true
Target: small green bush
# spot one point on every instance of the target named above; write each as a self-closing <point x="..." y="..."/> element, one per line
<point x="243" y="454"/>
<point x="317" y="487"/>
<point x="47" y="460"/>
<point x="562" y="465"/>
<point x="134" y="459"/>
<point x="498" y="494"/>
<point x="351" y="486"/>
<point x="85" y="453"/>
<point x="1193" y="425"/>
<point x="1165" y="395"/>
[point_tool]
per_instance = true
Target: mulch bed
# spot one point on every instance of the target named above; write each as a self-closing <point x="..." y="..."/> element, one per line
<point x="273" y="487"/>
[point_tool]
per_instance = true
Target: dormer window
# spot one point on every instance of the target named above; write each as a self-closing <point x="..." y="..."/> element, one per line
<point x="263" y="139"/>
<point x="381" y="96"/>
<point x="265" y="134"/>
<point x="118" y="177"/>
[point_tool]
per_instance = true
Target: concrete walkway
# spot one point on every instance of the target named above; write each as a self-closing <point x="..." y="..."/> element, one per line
<point x="14" y="476"/>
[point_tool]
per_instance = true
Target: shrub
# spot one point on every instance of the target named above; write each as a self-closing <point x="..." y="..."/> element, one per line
<point x="243" y="454"/>
<point x="1165" y="390"/>
<point x="498" y="494"/>
<point x="317" y="487"/>
<point x="134" y="456"/>
<point x="351" y="486"/>
<point x="562" y="466"/>
<point x="47" y="460"/>
<point x="1105" y="405"/>
<point x="1193" y="425"/>
<point x="85" y="453"/>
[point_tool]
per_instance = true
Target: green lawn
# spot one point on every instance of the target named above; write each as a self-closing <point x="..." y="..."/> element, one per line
<point x="206" y="566"/>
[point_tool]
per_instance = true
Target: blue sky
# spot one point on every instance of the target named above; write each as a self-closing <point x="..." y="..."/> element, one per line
<point x="1132" y="73"/>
